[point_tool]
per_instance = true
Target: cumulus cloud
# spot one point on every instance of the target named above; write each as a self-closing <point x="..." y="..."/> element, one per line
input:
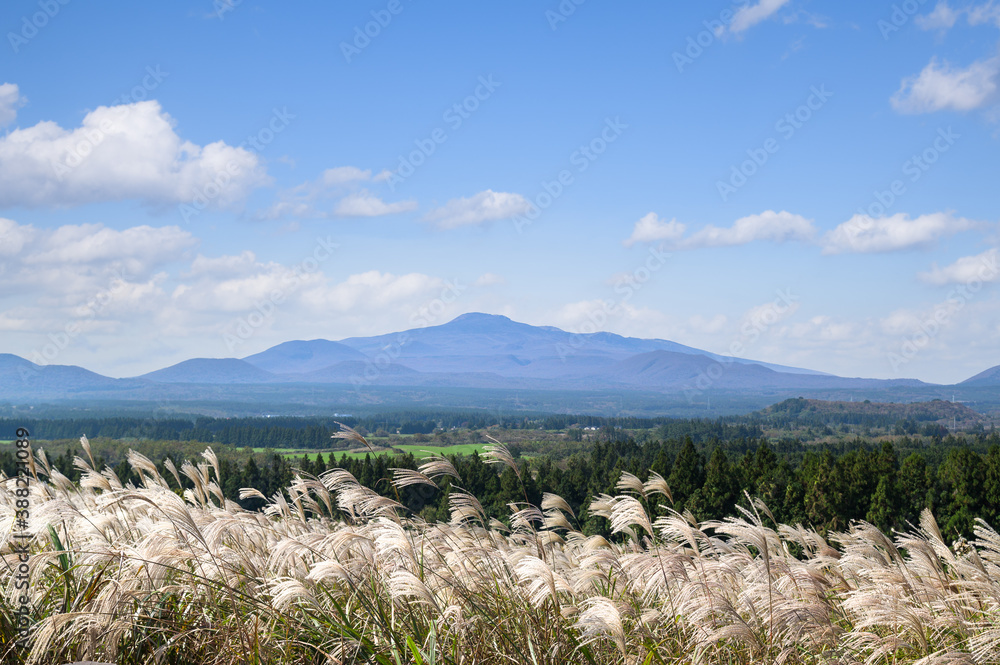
<point x="988" y="12"/>
<point x="588" y="316"/>
<point x="750" y="15"/>
<point x="73" y="254"/>
<point x="863" y="234"/>
<point x="768" y="225"/>
<point x="941" y="86"/>
<point x="87" y="276"/>
<point x="341" y="175"/>
<point x="14" y="236"/>
<point x="223" y="265"/>
<point x="130" y="151"/>
<point x="310" y="199"/>
<point x="650" y="228"/>
<point x="968" y="269"/>
<point x="10" y="101"/>
<point x="143" y="246"/>
<point x="366" y="204"/>
<point x="374" y="289"/>
<point x="942" y="17"/>
<point x="483" y="207"/>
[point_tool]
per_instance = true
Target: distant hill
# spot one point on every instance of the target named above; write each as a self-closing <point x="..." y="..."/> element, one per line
<point x="210" y="370"/>
<point x="990" y="377"/>
<point x="821" y="412"/>
<point x="22" y="377"/>
<point x="562" y="370"/>
<point x="299" y="357"/>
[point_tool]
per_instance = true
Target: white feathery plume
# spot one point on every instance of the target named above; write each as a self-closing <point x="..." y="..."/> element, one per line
<point x="555" y="502"/>
<point x="657" y="485"/>
<point x="630" y="483"/>
<point x="435" y="466"/>
<point x="497" y="453"/>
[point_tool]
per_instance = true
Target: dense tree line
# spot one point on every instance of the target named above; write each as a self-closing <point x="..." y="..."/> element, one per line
<point x="885" y="484"/>
<point x="315" y="432"/>
<point x="823" y="486"/>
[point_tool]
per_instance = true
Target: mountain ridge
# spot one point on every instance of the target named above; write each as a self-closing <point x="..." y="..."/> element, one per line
<point x="473" y="351"/>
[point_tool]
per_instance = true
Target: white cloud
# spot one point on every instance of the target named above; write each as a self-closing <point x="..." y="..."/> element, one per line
<point x="485" y="206"/>
<point x="88" y="276"/>
<point x="768" y="225"/>
<point x="941" y="18"/>
<point x="341" y="175"/>
<point x="224" y="265"/>
<point x="143" y="246"/>
<point x="14" y="236"/>
<point x="74" y="259"/>
<point x="10" y="101"/>
<point x="944" y="16"/>
<point x="968" y="269"/>
<point x="750" y="15"/>
<point x="863" y="234"/>
<point x="940" y="86"/>
<point x="987" y="12"/>
<point x="375" y="288"/>
<point x="366" y="204"/>
<point x="587" y="316"/>
<point x="303" y="201"/>
<point x="121" y="152"/>
<point x="651" y="228"/>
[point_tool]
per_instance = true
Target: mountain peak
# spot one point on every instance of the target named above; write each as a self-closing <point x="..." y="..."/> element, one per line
<point x="480" y="317"/>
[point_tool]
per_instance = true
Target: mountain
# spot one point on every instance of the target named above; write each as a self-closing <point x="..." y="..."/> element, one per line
<point x="354" y="372"/>
<point x="23" y="377"/>
<point x="475" y="360"/>
<point x="299" y="357"/>
<point x="990" y="377"/>
<point x="493" y="343"/>
<point x="210" y="370"/>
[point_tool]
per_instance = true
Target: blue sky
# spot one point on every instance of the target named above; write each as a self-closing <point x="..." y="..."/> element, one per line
<point x="174" y="176"/>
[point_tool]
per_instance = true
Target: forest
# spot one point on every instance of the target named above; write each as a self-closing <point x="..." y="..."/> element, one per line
<point x="823" y="487"/>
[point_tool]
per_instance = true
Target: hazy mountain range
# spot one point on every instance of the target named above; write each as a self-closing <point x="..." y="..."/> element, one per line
<point x="475" y="351"/>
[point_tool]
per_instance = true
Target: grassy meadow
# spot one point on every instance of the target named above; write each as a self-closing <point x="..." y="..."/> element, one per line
<point x="331" y="572"/>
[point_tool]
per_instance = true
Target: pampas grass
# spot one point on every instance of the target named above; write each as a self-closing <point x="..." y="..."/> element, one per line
<point x="331" y="572"/>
